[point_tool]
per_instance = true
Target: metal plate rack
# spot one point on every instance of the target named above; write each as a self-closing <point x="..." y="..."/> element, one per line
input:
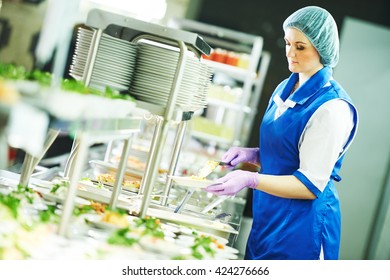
<point x="133" y="30"/>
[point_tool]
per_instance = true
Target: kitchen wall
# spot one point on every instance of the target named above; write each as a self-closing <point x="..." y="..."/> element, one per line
<point x="21" y="22"/>
<point x="364" y="72"/>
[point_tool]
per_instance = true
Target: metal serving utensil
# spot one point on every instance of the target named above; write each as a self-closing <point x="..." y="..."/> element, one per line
<point x="215" y="203"/>
<point x="209" y="168"/>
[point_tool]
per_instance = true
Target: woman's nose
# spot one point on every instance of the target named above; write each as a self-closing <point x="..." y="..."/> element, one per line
<point x="290" y="52"/>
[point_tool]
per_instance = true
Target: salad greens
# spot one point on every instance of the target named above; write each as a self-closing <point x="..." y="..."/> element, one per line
<point x="11" y="202"/>
<point x="57" y="186"/>
<point x="15" y="198"/>
<point x="49" y="214"/>
<point x="14" y="72"/>
<point x="120" y="237"/>
<point x="202" y="243"/>
<point x="150" y="227"/>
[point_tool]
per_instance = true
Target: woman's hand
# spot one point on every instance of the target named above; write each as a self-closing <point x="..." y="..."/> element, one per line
<point x="234" y="182"/>
<point x="236" y="155"/>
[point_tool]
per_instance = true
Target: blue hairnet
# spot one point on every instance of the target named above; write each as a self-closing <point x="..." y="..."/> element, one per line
<point x="320" y="28"/>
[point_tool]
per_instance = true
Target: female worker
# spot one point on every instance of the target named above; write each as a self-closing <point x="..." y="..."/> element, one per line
<point x="309" y="124"/>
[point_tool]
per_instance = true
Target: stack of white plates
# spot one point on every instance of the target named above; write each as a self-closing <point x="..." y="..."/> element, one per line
<point x="114" y="62"/>
<point x="145" y="69"/>
<point x="80" y="56"/>
<point x="154" y="75"/>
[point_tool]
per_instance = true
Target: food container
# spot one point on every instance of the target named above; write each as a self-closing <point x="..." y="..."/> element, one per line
<point x="210" y="226"/>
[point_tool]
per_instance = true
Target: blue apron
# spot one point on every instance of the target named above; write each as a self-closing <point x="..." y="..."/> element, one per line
<point x="296" y="228"/>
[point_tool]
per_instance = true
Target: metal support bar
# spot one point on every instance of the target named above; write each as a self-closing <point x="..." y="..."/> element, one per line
<point x="174" y="159"/>
<point x="70" y="161"/>
<point x="150" y="171"/>
<point x="158" y="141"/>
<point x="27" y="169"/>
<point x="72" y="189"/>
<point x="108" y="151"/>
<point x="183" y="202"/>
<point x="120" y="173"/>
<point x="30" y="162"/>
<point x="97" y="34"/>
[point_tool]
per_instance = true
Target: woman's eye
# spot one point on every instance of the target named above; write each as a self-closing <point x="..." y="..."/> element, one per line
<point x="301" y="48"/>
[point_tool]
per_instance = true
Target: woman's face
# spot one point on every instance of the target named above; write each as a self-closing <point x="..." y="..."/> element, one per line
<point x="302" y="56"/>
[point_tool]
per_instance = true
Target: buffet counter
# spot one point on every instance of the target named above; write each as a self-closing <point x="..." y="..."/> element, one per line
<point x="30" y="218"/>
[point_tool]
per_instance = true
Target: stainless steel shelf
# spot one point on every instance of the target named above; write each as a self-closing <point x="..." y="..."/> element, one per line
<point x="128" y="28"/>
<point x="237" y="73"/>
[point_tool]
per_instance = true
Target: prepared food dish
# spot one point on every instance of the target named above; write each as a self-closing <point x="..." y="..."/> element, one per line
<point x="137" y="164"/>
<point x="98" y="207"/>
<point x="207" y="169"/>
<point x="194" y="177"/>
<point x="212" y="164"/>
<point x="8" y="94"/>
<point x="115" y="218"/>
<point x="110" y="178"/>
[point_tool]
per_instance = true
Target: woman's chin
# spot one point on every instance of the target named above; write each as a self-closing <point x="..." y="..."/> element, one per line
<point x="292" y="68"/>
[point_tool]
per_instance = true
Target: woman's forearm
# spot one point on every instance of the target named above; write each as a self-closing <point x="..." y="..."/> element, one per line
<point x="287" y="186"/>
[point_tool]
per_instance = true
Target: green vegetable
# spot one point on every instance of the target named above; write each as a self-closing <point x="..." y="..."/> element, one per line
<point x="151" y="226"/>
<point x="13" y="72"/>
<point x="83" y="210"/>
<point x="202" y="242"/>
<point x="48" y="214"/>
<point x="57" y="186"/>
<point x="120" y="237"/>
<point x="11" y="202"/>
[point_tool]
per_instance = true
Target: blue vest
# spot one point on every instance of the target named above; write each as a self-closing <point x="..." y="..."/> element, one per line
<point x="296" y="228"/>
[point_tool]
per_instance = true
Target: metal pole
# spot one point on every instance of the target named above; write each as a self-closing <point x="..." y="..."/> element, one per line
<point x="120" y="173"/>
<point x="175" y="157"/>
<point x="72" y="189"/>
<point x="151" y="169"/>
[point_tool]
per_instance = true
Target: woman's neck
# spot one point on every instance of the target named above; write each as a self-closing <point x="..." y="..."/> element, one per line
<point x="303" y="77"/>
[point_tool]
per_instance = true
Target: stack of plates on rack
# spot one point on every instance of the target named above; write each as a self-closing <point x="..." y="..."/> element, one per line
<point x="145" y="69"/>
<point x="154" y="77"/>
<point x="81" y="53"/>
<point x="114" y="63"/>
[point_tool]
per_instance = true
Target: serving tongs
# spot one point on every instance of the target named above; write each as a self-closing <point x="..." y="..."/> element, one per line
<point x="183" y="202"/>
<point x="214" y="203"/>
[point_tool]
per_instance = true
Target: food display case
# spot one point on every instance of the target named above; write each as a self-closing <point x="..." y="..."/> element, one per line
<point x="96" y="209"/>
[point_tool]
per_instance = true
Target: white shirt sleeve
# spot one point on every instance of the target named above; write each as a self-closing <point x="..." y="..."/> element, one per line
<point x="323" y="139"/>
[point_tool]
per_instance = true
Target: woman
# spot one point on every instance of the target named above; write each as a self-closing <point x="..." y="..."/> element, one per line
<point x="309" y="124"/>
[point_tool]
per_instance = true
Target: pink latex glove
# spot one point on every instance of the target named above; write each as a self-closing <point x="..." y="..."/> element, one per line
<point x="234" y="182"/>
<point x="236" y="155"/>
